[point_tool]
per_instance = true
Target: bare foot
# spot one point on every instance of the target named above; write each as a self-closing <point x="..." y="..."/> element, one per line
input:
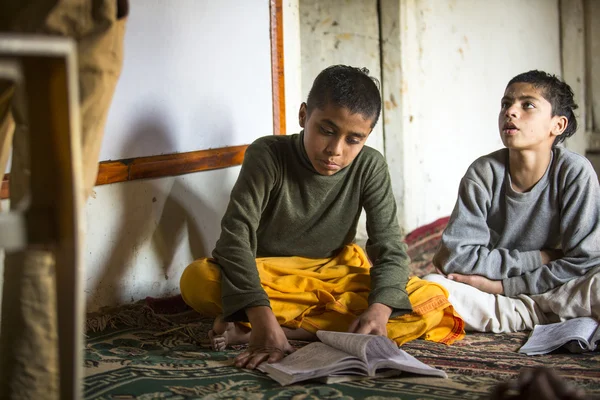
<point x="227" y="333"/>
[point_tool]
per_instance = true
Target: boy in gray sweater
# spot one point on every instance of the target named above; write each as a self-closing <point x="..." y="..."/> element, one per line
<point x="523" y="242"/>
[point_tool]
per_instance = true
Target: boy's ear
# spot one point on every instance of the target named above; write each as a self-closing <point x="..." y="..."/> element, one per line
<point x="560" y="124"/>
<point x="302" y="115"/>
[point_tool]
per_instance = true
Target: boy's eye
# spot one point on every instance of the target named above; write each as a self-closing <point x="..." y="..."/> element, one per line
<point x="326" y="131"/>
<point x="528" y="104"/>
<point x="504" y="105"/>
<point x="353" y="141"/>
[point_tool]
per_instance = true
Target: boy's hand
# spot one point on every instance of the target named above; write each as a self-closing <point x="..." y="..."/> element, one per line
<point x="551" y="255"/>
<point x="373" y="321"/>
<point x="267" y="340"/>
<point x="479" y="282"/>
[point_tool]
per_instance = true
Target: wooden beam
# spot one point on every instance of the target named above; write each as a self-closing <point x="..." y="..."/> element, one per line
<point x="113" y="172"/>
<point x="169" y="165"/>
<point x="185" y="163"/>
<point x="277" y="71"/>
<point x="161" y="166"/>
<point x="4" y="187"/>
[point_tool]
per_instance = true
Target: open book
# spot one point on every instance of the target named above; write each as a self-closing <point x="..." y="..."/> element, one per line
<point x="576" y="335"/>
<point x="346" y="356"/>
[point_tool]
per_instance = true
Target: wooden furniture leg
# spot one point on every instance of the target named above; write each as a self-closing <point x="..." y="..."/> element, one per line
<point x="47" y="69"/>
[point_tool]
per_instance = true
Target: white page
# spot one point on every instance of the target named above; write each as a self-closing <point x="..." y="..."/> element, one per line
<point x="351" y="343"/>
<point x="546" y="338"/>
<point x="595" y="339"/>
<point x="382" y="347"/>
<point x="407" y="363"/>
<point x="378" y="352"/>
<point x="309" y="359"/>
<point x="338" y="378"/>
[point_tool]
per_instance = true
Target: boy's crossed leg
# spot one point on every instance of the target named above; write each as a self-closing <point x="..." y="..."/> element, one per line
<point x="201" y="289"/>
<point x="579" y="297"/>
<point x="339" y="289"/>
<point x="484" y="312"/>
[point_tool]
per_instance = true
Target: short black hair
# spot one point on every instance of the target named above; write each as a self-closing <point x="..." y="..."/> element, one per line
<point x="348" y="87"/>
<point x="558" y="93"/>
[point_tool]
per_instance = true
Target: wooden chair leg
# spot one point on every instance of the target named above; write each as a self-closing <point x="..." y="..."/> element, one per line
<point x="53" y="219"/>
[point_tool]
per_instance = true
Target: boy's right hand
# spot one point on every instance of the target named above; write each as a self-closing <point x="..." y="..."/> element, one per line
<point x="267" y="340"/>
<point x="550" y="255"/>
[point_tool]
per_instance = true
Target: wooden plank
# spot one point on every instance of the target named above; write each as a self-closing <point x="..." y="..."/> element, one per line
<point x="112" y="172"/>
<point x="277" y="70"/>
<point x="161" y="166"/>
<point x="48" y="69"/>
<point x="4" y="187"/>
<point x="55" y="185"/>
<point x="185" y="163"/>
<point x="169" y="164"/>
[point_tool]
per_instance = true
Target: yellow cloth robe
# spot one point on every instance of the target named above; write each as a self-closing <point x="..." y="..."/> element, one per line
<point x="315" y="294"/>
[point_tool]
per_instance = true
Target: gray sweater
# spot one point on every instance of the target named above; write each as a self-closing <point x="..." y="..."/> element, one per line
<point x="280" y="206"/>
<point x="498" y="233"/>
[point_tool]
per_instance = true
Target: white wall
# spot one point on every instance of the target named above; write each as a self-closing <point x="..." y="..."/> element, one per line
<point x="197" y="75"/>
<point x="592" y="9"/>
<point x="447" y="72"/>
<point x="198" y="69"/>
<point x="142" y="234"/>
<point x="292" y="64"/>
<point x="339" y="32"/>
<point x="591" y="16"/>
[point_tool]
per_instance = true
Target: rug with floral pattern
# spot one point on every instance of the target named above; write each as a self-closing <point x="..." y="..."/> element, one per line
<point x="157" y="349"/>
<point x="147" y="351"/>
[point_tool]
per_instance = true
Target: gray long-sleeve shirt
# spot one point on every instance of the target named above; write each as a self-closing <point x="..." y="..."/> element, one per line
<point x="280" y="206"/>
<point x="498" y="233"/>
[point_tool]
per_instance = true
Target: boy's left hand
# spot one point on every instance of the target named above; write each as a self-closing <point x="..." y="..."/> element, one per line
<point x="373" y="321"/>
<point x="479" y="282"/>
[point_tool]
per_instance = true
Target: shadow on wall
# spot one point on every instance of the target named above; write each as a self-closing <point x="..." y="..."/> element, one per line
<point x="184" y="219"/>
<point x="163" y="225"/>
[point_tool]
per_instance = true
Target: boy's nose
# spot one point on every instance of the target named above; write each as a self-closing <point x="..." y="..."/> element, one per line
<point x="511" y="111"/>
<point x="334" y="147"/>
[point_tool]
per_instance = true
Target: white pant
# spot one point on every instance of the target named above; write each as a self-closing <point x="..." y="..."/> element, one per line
<point x="484" y="312"/>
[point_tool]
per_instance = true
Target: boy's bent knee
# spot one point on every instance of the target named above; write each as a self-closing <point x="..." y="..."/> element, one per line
<point x="200" y="286"/>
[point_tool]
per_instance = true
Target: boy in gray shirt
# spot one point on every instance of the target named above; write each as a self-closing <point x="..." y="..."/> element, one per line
<point x="523" y="242"/>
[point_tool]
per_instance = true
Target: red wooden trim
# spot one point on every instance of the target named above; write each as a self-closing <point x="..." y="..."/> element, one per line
<point x="113" y="172"/>
<point x="169" y="164"/>
<point x="4" y="187"/>
<point x="185" y="163"/>
<point x="161" y="166"/>
<point x="277" y="72"/>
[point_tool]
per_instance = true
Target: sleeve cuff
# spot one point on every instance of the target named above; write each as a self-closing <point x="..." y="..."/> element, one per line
<point x="397" y="299"/>
<point x="514" y="286"/>
<point x="530" y="260"/>
<point x="234" y="307"/>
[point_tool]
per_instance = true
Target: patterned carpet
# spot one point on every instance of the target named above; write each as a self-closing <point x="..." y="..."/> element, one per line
<point x="157" y="349"/>
<point x="148" y="351"/>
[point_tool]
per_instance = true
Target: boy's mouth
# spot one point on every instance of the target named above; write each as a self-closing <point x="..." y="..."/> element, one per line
<point x="330" y="165"/>
<point x="509" y="128"/>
